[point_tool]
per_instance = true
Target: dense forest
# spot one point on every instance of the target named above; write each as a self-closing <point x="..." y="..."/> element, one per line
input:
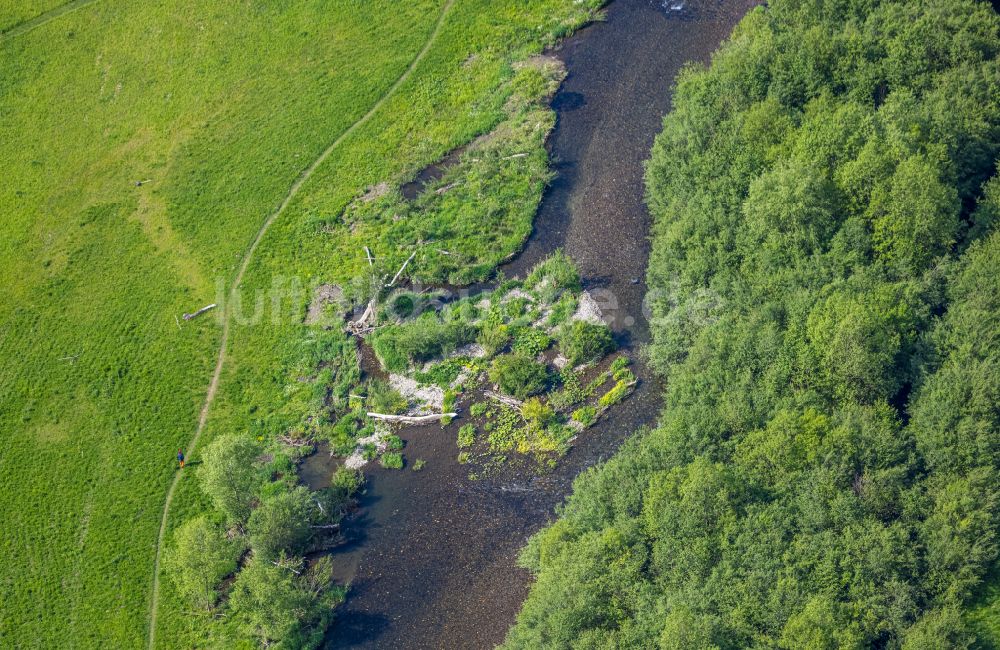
<point x="826" y="312"/>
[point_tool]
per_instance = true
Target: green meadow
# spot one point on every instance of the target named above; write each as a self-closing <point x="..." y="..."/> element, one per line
<point x="144" y="146"/>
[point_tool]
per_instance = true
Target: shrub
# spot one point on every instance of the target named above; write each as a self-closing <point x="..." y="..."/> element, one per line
<point x="394" y="442"/>
<point x="564" y="308"/>
<point x="466" y="435"/>
<point x="418" y="464"/>
<point x="537" y="412"/>
<point x="420" y="340"/>
<point x="585" y="415"/>
<point x="392" y="460"/>
<point x="518" y="375"/>
<point x="620" y="363"/>
<point x="463" y="457"/>
<point x="615" y="395"/>
<point x="530" y="341"/>
<point x="493" y="336"/>
<point x="383" y="398"/>
<point x="199" y="559"/>
<point x="624" y="375"/>
<point x="584" y="342"/>
<point x="553" y="274"/>
<point x="346" y="481"/>
<point x="478" y="409"/>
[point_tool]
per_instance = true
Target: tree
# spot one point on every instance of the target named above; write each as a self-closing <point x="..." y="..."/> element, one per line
<point x="200" y="557"/>
<point x="269" y="603"/>
<point x="230" y="477"/>
<point x="282" y="523"/>
<point x="915" y="215"/>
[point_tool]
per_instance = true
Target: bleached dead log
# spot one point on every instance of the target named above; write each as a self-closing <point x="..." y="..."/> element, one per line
<point x="199" y="312"/>
<point x="285" y="566"/>
<point x="449" y="186"/>
<point x="327" y="527"/>
<point x="401" y="269"/>
<point x="368" y="254"/>
<point x="411" y="419"/>
<point x="517" y="155"/>
<point x="360" y="326"/>
<point x="503" y="399"/>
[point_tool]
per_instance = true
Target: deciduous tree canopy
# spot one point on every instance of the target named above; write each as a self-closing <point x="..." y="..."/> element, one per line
<point x="826" y="311"/>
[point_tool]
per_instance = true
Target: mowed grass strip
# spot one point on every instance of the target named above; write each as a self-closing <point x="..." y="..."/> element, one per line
<point x="219" y="106"/>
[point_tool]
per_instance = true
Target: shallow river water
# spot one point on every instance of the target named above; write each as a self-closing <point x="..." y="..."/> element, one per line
<point x="431" y="556"/>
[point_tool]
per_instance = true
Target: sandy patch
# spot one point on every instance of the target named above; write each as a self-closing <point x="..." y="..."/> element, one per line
<point x="357" y="458"/>
<point x="588" y="310"/>
<point x="424" y="399"/>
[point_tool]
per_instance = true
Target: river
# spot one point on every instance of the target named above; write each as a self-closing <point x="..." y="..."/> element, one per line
<point x="431" y="555"/>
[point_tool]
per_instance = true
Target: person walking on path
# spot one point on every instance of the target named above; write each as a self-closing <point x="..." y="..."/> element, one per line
<point x="180" y="458"/>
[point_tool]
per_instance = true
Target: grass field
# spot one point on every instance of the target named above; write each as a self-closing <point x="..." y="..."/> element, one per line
<point x="17" y="12"/>
<point x="218" y="108"/>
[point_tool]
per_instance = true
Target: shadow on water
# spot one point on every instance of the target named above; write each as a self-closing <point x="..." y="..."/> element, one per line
<point x="431" y="555"/>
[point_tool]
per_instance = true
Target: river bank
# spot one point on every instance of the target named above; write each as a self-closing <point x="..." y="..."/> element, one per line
<point x="431" y="555"/>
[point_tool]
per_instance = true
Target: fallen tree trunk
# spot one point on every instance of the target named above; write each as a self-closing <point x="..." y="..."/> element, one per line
<point x="199" y="312"/>
<point x="411" y="419"/>
<point x="361" y="325"/>
<point x="503" y="399"/>
<point x="401" y="269"/>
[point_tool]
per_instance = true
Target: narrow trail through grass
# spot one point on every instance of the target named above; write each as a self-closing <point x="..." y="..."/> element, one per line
<point x="43" y="18"/>
<point x="238" y="279"/>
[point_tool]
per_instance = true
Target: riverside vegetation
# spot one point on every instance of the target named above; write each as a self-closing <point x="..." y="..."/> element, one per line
<point x="539" y="343"/>
<point x="826" y="312"/>
<point x="134" y="185"/>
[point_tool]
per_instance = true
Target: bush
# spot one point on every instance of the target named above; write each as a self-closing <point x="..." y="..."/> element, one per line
<point x="418" y="341"/>
<point x="394" y="442"/>
<point x="518" y="375"/>
<point x="530" y="341"/>
<point x="615" y="395"/>
<point x="199" y="559"/>
<point x="346" y="481"/>
<point x="478" y="409"/>
<point x="392" y="460"/>
<point x="383" y="398"/>
<point x="554" y="274"/>
<point x="585" y="415"/>
<point x="418" y="464"/>
<point x="466" y="435"/>
<point x="537" y="412"/>
<point x="493" y="336"/>
<point x="620" y="363"/>
<point x="584" y="342"/>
